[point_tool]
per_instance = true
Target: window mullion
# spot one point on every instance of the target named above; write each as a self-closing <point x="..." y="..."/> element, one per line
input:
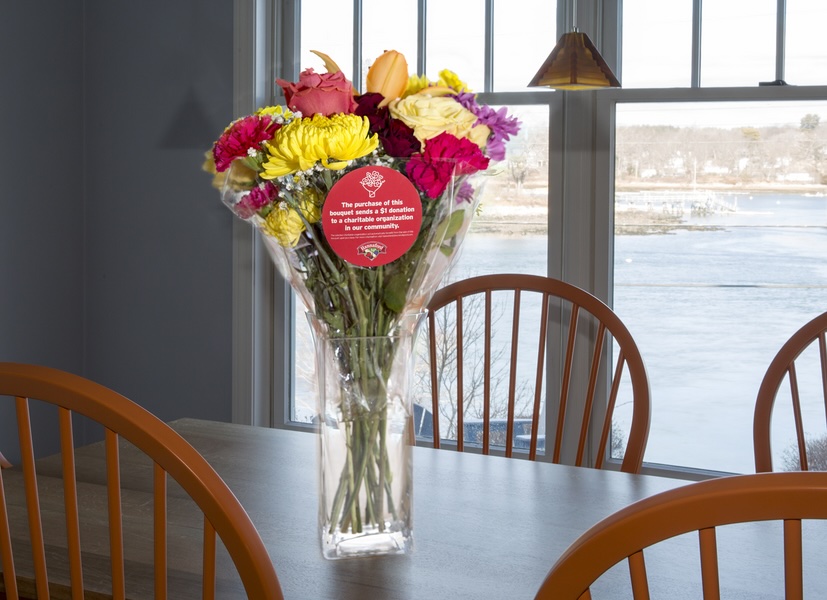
<point x="489" y="46"/>
<point x="697" y="8"/>
<point x="421" y="35"/>
<point x="356" y="72"/>
<point x="780" y="40"/>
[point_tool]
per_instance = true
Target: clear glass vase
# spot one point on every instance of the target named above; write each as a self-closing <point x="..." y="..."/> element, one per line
<point x="364" y="248"/>
<point x="365" y="468"/>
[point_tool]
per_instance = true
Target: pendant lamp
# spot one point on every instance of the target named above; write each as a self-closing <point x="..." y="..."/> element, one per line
<point x="575" y="64"/>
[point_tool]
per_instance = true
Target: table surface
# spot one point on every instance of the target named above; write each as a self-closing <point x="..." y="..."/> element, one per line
<point x="485" y="527"/>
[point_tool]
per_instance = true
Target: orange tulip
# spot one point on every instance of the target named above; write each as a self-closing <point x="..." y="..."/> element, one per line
<point x="388" y="75"/>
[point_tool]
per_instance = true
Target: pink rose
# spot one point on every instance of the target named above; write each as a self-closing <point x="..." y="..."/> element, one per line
<point x="319" y="93"/>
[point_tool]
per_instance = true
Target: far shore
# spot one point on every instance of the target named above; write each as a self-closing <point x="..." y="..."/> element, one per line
<point x="733" y="188"/>
<point x="524" y="214"/>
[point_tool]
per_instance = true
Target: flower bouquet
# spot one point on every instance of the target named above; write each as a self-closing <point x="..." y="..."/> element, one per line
<point x="362" y="201"/>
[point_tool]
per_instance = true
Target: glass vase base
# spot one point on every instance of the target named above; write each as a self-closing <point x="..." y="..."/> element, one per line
<point x="339" y="545"/>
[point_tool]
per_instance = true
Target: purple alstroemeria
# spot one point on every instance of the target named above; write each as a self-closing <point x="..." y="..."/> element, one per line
<point x="502" y="125"/>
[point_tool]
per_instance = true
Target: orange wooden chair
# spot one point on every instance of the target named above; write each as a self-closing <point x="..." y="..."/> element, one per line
<point x="588" y="326"/>
<point x="703" y="507"/>
<point x="27" y="386"/>
<point x="782" y="367"/>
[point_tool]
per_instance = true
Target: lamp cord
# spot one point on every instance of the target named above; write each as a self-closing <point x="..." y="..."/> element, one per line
<point x="574" y="15"/>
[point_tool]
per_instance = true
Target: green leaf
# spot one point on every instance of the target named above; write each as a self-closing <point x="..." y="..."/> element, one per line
<point x="395" y="291"/>
<point x="334" y="320"/>
<point x="439" y="232"/>
<point x="455" y="223"/>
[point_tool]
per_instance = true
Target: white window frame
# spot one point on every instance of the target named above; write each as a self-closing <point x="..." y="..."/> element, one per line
<point x="262" y="345"/>
<point x="581" y="185"/>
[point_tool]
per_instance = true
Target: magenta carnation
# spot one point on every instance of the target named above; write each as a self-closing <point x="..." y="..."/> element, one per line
<point x="445" y="156"/>
<point x="259" y="197"/>
<point x="239" y="137"/>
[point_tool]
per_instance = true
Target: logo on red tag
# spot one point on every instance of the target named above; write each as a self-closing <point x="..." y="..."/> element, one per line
<point x="372" y="249"/>
<point x="372" y="216"/>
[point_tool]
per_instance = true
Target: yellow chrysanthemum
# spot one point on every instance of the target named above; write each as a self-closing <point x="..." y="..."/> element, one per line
<point x="452" y="80"/>
<point x="333" y="141"/>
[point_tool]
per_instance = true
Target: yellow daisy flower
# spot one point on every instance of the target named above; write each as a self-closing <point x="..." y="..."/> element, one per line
<point x="310" y="204"/>
<point x="285" y="223"/>
<point x="416" y="83"/>
<point x="452" y="80"/>
<point x="275" y="112"/>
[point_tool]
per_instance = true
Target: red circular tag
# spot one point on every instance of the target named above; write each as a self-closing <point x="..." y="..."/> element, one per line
<point x="372" y="216"/>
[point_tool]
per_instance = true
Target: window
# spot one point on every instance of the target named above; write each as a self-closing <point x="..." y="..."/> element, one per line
<point x="692" y="103"/>
<point x="720" y="221"/>
<point x="716" y="256"/>
<point x="510" y="233"/>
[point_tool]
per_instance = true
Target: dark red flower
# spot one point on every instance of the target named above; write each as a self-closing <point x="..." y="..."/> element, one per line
<point x="399" y="140"/>
<point x="367" y="105"/>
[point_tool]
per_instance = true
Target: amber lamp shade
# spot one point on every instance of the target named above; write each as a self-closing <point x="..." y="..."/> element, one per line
<point x="575" y="64"/>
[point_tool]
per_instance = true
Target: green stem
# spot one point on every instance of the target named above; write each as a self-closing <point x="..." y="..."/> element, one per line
<point x="380" y="463"/>
<point x="357" y="475"/>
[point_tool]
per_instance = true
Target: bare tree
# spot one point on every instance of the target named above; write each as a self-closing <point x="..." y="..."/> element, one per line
<point x="473" y="369"/>
<point x="811" y="147"/>
<point x="517" y="171"/>
<point x="816" y="448"/>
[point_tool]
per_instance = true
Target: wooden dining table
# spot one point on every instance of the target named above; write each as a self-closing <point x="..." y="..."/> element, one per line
<point x="485" y="527"/>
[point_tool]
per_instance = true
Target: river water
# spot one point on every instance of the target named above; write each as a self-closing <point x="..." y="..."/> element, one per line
<point x="709" y="306"/>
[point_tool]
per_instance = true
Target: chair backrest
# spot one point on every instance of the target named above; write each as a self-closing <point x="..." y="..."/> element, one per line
<point x="701" y="507"/>
<point x="168" y="453"/>
<point x="588" y="327"/>
<point x="783" y="366"/>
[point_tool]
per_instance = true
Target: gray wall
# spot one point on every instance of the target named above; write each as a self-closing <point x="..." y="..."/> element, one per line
<point x="115" y="252"/>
